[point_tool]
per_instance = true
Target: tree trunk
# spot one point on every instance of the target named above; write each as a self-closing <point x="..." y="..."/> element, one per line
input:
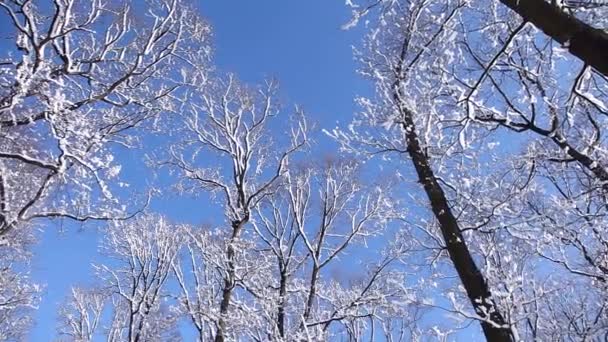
<point x="282" y="302"/>
<point x="582" y="40"/>
<point x="229" y="280"/>
<point x="470" y="275"/>
<point x="313" y="291"/>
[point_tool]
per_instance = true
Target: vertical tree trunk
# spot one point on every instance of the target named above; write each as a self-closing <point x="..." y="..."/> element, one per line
<point x="229" y="280"/>
<point x="201" y="334"/>
<point x="3" y="221"/>
<point x="282" y="297"/>
<point x="313" y="291"/>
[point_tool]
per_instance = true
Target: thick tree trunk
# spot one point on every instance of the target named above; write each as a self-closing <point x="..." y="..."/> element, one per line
<point x="582" y="40"/>
<point x="470" y="275"/>
<point x="229" y="280"/>
<point x="312" y="291"/>
<point x="282" y="301"/>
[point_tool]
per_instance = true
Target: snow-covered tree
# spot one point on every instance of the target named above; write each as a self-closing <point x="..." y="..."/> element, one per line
<point x="496" y="215"/>
<point x="412" y="38"/>
<point x="317" y="221"/>
<point x="506" y="139"/>
<point x="226" y="149"/>
<point x="82" y="313"/>
<point x="78" y="78"/>
<point x="142" y="252"/>
<point x="19" y="295"/>
<point x="131" y="285"/>
<point x="315" y="225"/>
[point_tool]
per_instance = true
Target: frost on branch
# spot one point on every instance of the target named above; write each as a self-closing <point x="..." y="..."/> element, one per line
<point x="229" y="123"/>
<point x="78" y="80"/>
<point x="130" y="302"/>
<point x="19" y="295"/>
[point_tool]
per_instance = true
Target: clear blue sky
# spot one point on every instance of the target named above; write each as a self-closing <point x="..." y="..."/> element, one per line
<point x="298" y="42"/>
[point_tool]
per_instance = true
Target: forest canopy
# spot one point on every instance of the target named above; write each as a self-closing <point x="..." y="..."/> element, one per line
<point x="465" y="197"/>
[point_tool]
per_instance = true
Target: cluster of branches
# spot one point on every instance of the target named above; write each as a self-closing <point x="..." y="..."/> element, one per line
<point x="77" y="80"/>
<point x="282" y="278"/>
<point x="271" y="269"/>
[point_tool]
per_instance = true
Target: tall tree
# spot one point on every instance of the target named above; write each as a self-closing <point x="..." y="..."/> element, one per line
<point x="321" y="215"/>
<point x="407" y="35"/>
<point x="514" y="137"/>
<point x="19" y="295"/>
<point x="132" y="285"/>
<point x="291" y="280"/>
<point x="77" y="78"/>
<point x="81" y="315"/>
<point x="229" y="122"/>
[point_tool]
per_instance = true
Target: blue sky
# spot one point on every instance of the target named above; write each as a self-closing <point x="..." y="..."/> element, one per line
<point x="297" y="42"/>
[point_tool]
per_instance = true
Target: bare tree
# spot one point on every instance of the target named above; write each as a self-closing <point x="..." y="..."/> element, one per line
<point x="198" y="281"/>
<point x="230" y="122"/>
<point x="19" y="295"/>
<point x="348" y="215"/>
<point x="77" y="81"/>
<point x="490" y="111"/>
<point x="395" y="49"/>
<point x="131" y="285"/>
<point x="200" y="274"/>
<point x="306" y="238"/>
<point x="144" y="249"/>
<point x="284" y="288"/>
<point x="82" y="314"/>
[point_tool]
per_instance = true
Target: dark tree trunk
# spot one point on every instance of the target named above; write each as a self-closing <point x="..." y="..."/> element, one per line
<point x="229" y="280"/>
<point x="582" y="40"/>
<point x="473" y="281"/>
<point x="282" y="298"/>
<point x="313" y="291"/>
